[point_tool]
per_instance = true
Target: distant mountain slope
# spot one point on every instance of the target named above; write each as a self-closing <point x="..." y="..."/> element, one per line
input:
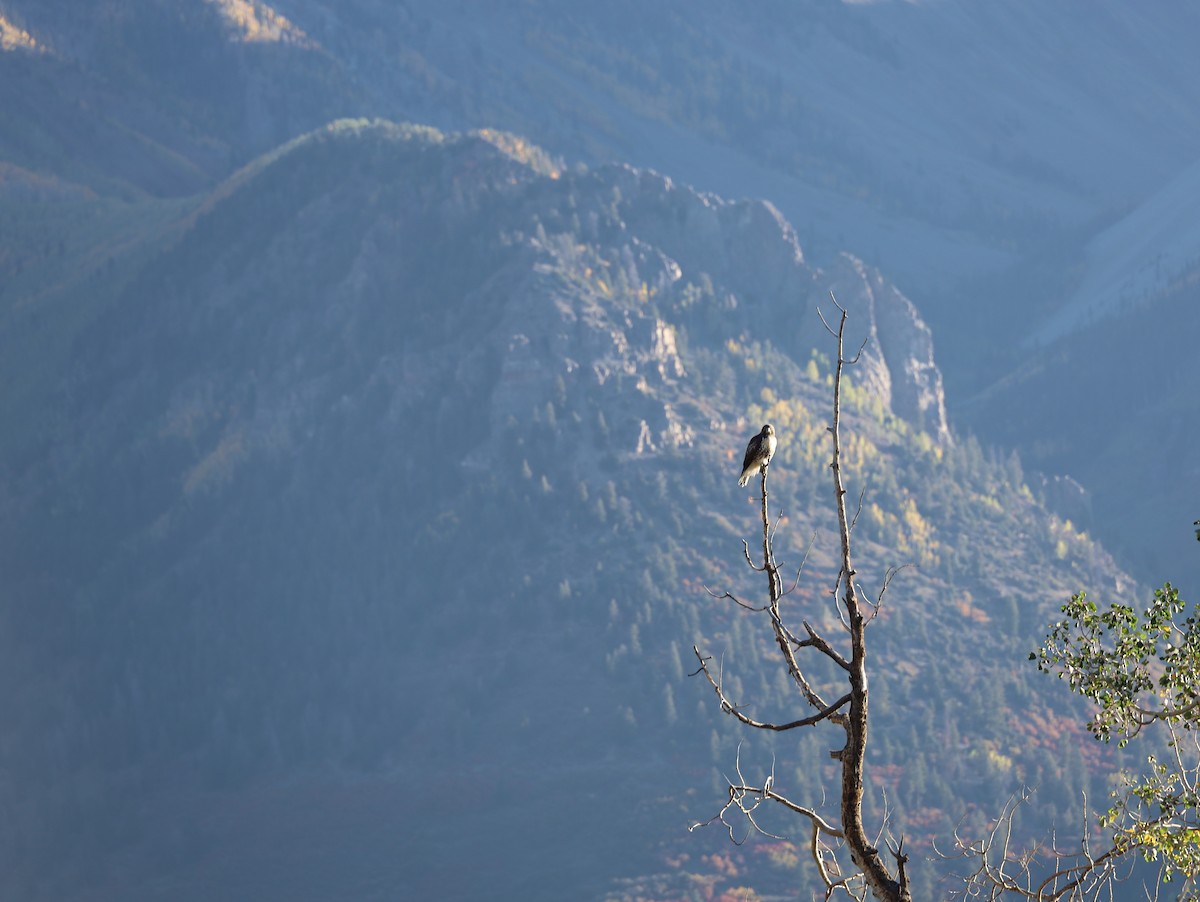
<point x="1123" y="417"/>
<point x="395" y="471"/>
<point x="1135" y="260"/>
<point x="933" y="139"/>
<point x="155" y="96"/>
<point x="929" y="138"/>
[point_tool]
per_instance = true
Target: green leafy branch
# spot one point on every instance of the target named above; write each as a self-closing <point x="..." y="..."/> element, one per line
<point x="1136" y="669"/>
<point x="1140" y="670"/>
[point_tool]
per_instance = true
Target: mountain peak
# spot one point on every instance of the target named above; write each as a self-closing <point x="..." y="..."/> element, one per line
<point x="14" y="38"/>
<point x="255" y="22"/>
<point x="898" y="359"/>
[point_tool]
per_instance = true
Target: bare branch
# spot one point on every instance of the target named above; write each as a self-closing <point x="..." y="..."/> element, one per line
<point x="775" y="527"/>
<point x="821" y="645"/>
<point x="853" y="360"/>
<point x="729" y="707"/>
<point x="733" y="598"/>
<point x="877" y="605"/>
<point x="828" y="328"/>
<point x="746" y="551"/>
<point x="1166" y="714"/>
<point x="837" y="607"/>
<point x="887" y="581"/>
<point x="861" y="495"/>
<point x="1001" y="872"/>
<point x="747" y="798"/>
<point x="803" y="562"/>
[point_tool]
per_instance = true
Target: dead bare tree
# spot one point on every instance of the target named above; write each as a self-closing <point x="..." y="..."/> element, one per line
<point x="867" y="871"/>
<point x="1040" y="872"/>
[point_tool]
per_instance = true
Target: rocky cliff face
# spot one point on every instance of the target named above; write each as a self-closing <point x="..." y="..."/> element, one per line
<point x="898" y="357"/>
<point x="670" y="241"/>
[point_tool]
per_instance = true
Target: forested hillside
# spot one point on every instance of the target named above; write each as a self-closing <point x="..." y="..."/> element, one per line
<point x="360" y="519"/>
<point x="1018" y="168"/>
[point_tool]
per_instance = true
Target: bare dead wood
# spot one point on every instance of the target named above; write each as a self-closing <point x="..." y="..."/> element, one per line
<point x="866" y="870"/>
<point x="852" y="757"/>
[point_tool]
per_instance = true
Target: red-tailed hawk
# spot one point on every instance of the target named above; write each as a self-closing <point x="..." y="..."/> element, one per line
<point x="758" y="453"/>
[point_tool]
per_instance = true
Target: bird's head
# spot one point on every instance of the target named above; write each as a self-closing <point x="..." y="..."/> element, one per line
<point x="768" y="429"/>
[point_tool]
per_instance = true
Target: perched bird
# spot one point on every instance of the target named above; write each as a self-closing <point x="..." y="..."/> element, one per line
<point x="758" y="453"/>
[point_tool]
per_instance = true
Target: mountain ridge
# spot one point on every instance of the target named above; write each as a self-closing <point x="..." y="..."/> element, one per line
<point x="985" y="173"/>
<point x="401" y="409"/>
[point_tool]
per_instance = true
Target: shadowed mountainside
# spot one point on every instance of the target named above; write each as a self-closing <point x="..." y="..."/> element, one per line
<point x="393" y="470"/>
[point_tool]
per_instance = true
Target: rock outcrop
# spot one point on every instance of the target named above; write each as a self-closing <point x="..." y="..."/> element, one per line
<point x="897" y="361"/>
